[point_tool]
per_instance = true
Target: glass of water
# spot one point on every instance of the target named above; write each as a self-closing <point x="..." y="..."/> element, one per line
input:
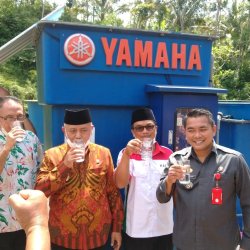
<point x="185" y="165"/>
<point x="17" y="124"/>
<point x="147" y="149"/>
<point x="79" y="147"/>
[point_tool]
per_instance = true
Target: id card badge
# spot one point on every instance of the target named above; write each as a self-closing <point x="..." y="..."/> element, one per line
<point x="216" y="196"/>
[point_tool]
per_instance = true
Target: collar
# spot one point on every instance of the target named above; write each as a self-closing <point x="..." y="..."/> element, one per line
<point x="158" y="149"/>
<point x="215" y="148"/>
<point x="190" y="151"/>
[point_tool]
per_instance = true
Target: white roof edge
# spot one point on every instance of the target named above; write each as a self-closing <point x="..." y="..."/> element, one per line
<point x="25" y="38"/>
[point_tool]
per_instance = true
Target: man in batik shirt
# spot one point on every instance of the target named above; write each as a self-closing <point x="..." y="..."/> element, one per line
<point x="85" y="205"/>
<point x="20" y="157"/>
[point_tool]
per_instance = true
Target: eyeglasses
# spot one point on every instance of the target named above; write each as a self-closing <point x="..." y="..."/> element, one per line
<point x="141" y="128"/>
<point x="10" y="118"/>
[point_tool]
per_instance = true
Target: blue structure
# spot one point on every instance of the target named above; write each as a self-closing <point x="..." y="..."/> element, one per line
<point x="235" y="126"/>
<point x="112" y="71"/>
<point x="234" y="131"/>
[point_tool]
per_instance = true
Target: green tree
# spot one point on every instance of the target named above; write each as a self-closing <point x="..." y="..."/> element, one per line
<point x="185" y="14"/>
<point x="142" y="14"/>
<point x="103" y="12"/>
<point x="232" y="53"/>
<point x="19" y="72"/>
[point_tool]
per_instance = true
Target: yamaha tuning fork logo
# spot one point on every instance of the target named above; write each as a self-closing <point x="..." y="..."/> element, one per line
<point x="79" y="49"/>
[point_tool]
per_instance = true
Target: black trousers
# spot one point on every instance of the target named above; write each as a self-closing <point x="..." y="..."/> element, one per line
<point x="13" y="240"/>
<point x="154" y="243"/>
<point x="56" y="247"/>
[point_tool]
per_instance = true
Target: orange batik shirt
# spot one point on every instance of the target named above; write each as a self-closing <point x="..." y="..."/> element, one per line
<point x="85" y="204"/>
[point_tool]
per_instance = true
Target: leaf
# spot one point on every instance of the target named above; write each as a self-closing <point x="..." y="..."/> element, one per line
<point x="22" y="170"/>
<point x="19" y="150"/>
<point x="3" y="219"/>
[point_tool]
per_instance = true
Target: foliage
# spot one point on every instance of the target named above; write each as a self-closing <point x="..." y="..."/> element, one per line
<point x="142" y="14"/>
<point x="232" y="54"/>
<point x="18" y="74"/>
<point x="93" y="11"/>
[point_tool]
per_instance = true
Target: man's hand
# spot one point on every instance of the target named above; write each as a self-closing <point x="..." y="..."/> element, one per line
<point x="133" y="146"/>
<point x="116" y="240"/>
<point x="12" y="136"/>
<point x="31" y="208"/>
<point x="175" y="173"/>
<point x="71" y="157"/>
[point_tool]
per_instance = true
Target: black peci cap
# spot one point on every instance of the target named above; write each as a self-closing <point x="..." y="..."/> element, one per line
<point x="142" y="114"/>
<point x="77" y="117"/>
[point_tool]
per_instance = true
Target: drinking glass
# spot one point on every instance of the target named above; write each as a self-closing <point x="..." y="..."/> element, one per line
<point x="147" y="149"/>
<point x="185" y="165"/>
<point x="79" y="146"/>
<point x="17" y="124"/>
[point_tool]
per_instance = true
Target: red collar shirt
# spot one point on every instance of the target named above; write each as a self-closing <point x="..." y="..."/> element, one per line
<point x="145" y="216"/>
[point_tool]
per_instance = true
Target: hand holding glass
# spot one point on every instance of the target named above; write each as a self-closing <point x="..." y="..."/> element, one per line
<point x="185" y="165"/>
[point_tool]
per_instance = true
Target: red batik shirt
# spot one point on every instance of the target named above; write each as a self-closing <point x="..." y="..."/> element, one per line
<point x="84" y="201"/>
